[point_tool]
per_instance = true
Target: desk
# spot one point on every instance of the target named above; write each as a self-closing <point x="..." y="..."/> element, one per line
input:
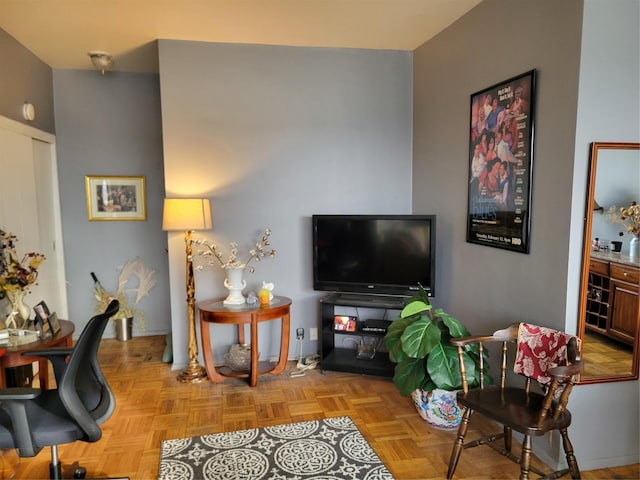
<point x="13" y="353"/>
<point x="214" y="311"/>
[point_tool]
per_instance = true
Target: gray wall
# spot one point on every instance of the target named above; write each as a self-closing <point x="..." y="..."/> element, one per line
<point x="608" y="111"/>
<point x="273" y="135"/>
<point x="24" y="78"/>
<point x="110" y="125"/>
<point x="499" y="285"/>
<point x="489" y="287"/>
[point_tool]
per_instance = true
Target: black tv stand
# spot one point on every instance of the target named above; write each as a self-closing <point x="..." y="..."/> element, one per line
<point x="334" y="355"/>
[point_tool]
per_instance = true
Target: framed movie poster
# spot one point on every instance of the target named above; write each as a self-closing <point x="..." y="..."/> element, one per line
<point x="500" y="164"/>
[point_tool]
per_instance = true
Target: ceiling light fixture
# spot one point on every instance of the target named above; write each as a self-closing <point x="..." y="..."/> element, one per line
<point x="101" y="60"/>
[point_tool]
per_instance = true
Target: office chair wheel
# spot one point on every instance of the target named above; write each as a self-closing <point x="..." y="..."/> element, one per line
<point x="80" y="472"/>
<point x="74" y="471"/>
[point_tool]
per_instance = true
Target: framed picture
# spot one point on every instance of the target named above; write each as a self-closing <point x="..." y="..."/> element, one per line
<point x="54" y="323"/>
<point x="42" y="315"/>
<point x="46" y="329"/>
<point x="500" y="164"/>
<point x="344" y="323"/>
<point x="115" y="198"/>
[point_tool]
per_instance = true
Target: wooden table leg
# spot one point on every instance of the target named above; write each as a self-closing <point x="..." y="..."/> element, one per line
<point x="284" y="345"/>
<point x="241" y="334"/>
<point x="43" y="373"/>
<point x="209" y="365"/>
<point x="253" y="374"/>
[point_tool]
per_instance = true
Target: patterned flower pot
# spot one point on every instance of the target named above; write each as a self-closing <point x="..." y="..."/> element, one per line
<point x="438" y="408"/>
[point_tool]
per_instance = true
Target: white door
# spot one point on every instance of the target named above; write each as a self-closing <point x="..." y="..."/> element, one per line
<point x="30" y="207"/>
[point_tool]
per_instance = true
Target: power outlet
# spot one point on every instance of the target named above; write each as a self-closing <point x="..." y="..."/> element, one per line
<point x="300" y="333"/>
<point x="313" y="334"/>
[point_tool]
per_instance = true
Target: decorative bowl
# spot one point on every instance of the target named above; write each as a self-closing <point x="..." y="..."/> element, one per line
<point x="239" y="357"/>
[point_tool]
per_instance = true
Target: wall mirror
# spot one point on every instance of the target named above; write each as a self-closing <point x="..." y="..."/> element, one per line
<point x="609" y="300"/>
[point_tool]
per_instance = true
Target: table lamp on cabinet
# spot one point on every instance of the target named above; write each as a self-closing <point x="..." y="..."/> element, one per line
<point x="188" y="214"/>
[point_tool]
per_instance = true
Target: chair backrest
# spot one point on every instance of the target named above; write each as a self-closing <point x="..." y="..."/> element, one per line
<point x="548" y="356"/>
<point x="83" y="388"/>
<point x="541" y="349"/>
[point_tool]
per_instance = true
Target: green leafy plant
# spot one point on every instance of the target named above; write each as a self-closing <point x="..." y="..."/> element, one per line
<point x="418" y="342"/>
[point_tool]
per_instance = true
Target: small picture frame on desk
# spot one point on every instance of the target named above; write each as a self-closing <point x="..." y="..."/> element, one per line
<point x="42" y="317"/>
<point x="46" y="329"/>
<point x="54" y="324"/>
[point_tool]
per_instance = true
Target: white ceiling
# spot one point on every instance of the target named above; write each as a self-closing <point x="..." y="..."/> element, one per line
<point x="61" y="32"/>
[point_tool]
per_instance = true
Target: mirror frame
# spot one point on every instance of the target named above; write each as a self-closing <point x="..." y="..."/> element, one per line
<point x="596" y="147"/>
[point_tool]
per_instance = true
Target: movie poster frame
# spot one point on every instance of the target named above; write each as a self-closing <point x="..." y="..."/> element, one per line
<point x="495" y="220"/>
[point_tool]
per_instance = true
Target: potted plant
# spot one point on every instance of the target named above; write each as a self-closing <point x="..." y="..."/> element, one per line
<point x="427" y="364"/>
<point x="128" y="297"/>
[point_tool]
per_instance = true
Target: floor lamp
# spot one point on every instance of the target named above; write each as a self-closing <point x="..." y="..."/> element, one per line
<point x="188" y="214"/>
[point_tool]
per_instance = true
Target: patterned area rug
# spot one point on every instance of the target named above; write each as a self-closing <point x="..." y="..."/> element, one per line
<point x="328" y="449"/>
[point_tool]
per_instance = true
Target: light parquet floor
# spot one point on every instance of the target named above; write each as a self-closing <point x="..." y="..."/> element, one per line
<point x="153" y="406"/>
<point x="604" y="357"/>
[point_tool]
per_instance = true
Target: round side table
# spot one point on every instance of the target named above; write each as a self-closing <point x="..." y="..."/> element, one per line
<point x="216" y="312"/>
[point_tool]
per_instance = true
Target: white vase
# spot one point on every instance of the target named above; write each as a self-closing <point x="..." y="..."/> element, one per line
<point x="18" y="311"/>
<point x="634" y="247"/>
<point x="234" y="283"/>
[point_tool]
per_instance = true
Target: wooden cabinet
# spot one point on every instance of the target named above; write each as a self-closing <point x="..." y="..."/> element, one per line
<point x="624" y="302"/>
<point x="598" y="293"/>
<point x="613" y="307"/>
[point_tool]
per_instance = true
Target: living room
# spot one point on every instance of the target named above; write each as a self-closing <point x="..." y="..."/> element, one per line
<point x="273" y="135"/>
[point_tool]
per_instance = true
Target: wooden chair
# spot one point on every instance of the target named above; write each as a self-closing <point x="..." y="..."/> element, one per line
<point x="548" y="356"/>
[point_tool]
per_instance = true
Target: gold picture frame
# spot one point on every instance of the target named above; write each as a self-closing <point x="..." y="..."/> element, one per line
<point x="111" y="197"/>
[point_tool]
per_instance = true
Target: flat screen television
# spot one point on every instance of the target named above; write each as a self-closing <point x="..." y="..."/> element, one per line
<point x="374" y="254"/>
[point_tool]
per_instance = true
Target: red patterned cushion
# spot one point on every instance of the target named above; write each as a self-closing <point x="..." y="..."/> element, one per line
<point x="539" y="349"/>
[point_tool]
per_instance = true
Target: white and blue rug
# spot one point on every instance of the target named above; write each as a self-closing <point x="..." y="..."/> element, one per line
<point x="328" y="449"/>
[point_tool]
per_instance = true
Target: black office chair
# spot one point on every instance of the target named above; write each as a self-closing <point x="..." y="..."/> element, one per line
<point x="31" y="418"/>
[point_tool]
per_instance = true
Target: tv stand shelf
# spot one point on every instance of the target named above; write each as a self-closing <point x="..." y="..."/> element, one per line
<point x="366" y="300"/>
<point x="344" y="360"/>
<point x="332" y="354"/>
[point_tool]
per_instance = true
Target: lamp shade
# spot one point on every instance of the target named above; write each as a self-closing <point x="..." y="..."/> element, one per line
<point x="186" y="214"/>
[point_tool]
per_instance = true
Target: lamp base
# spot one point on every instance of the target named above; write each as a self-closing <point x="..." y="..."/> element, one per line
<point x="194" y="373"/>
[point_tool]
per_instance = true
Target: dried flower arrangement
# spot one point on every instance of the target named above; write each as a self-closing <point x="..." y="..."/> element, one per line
<point x="14" y="274"/>
<point x="627" y="216"/>
<point x="214" y="255"/>
<point x="146" y="281"/>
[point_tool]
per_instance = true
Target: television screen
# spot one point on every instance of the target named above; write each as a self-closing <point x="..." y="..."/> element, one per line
<point x="377" y="254"/>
